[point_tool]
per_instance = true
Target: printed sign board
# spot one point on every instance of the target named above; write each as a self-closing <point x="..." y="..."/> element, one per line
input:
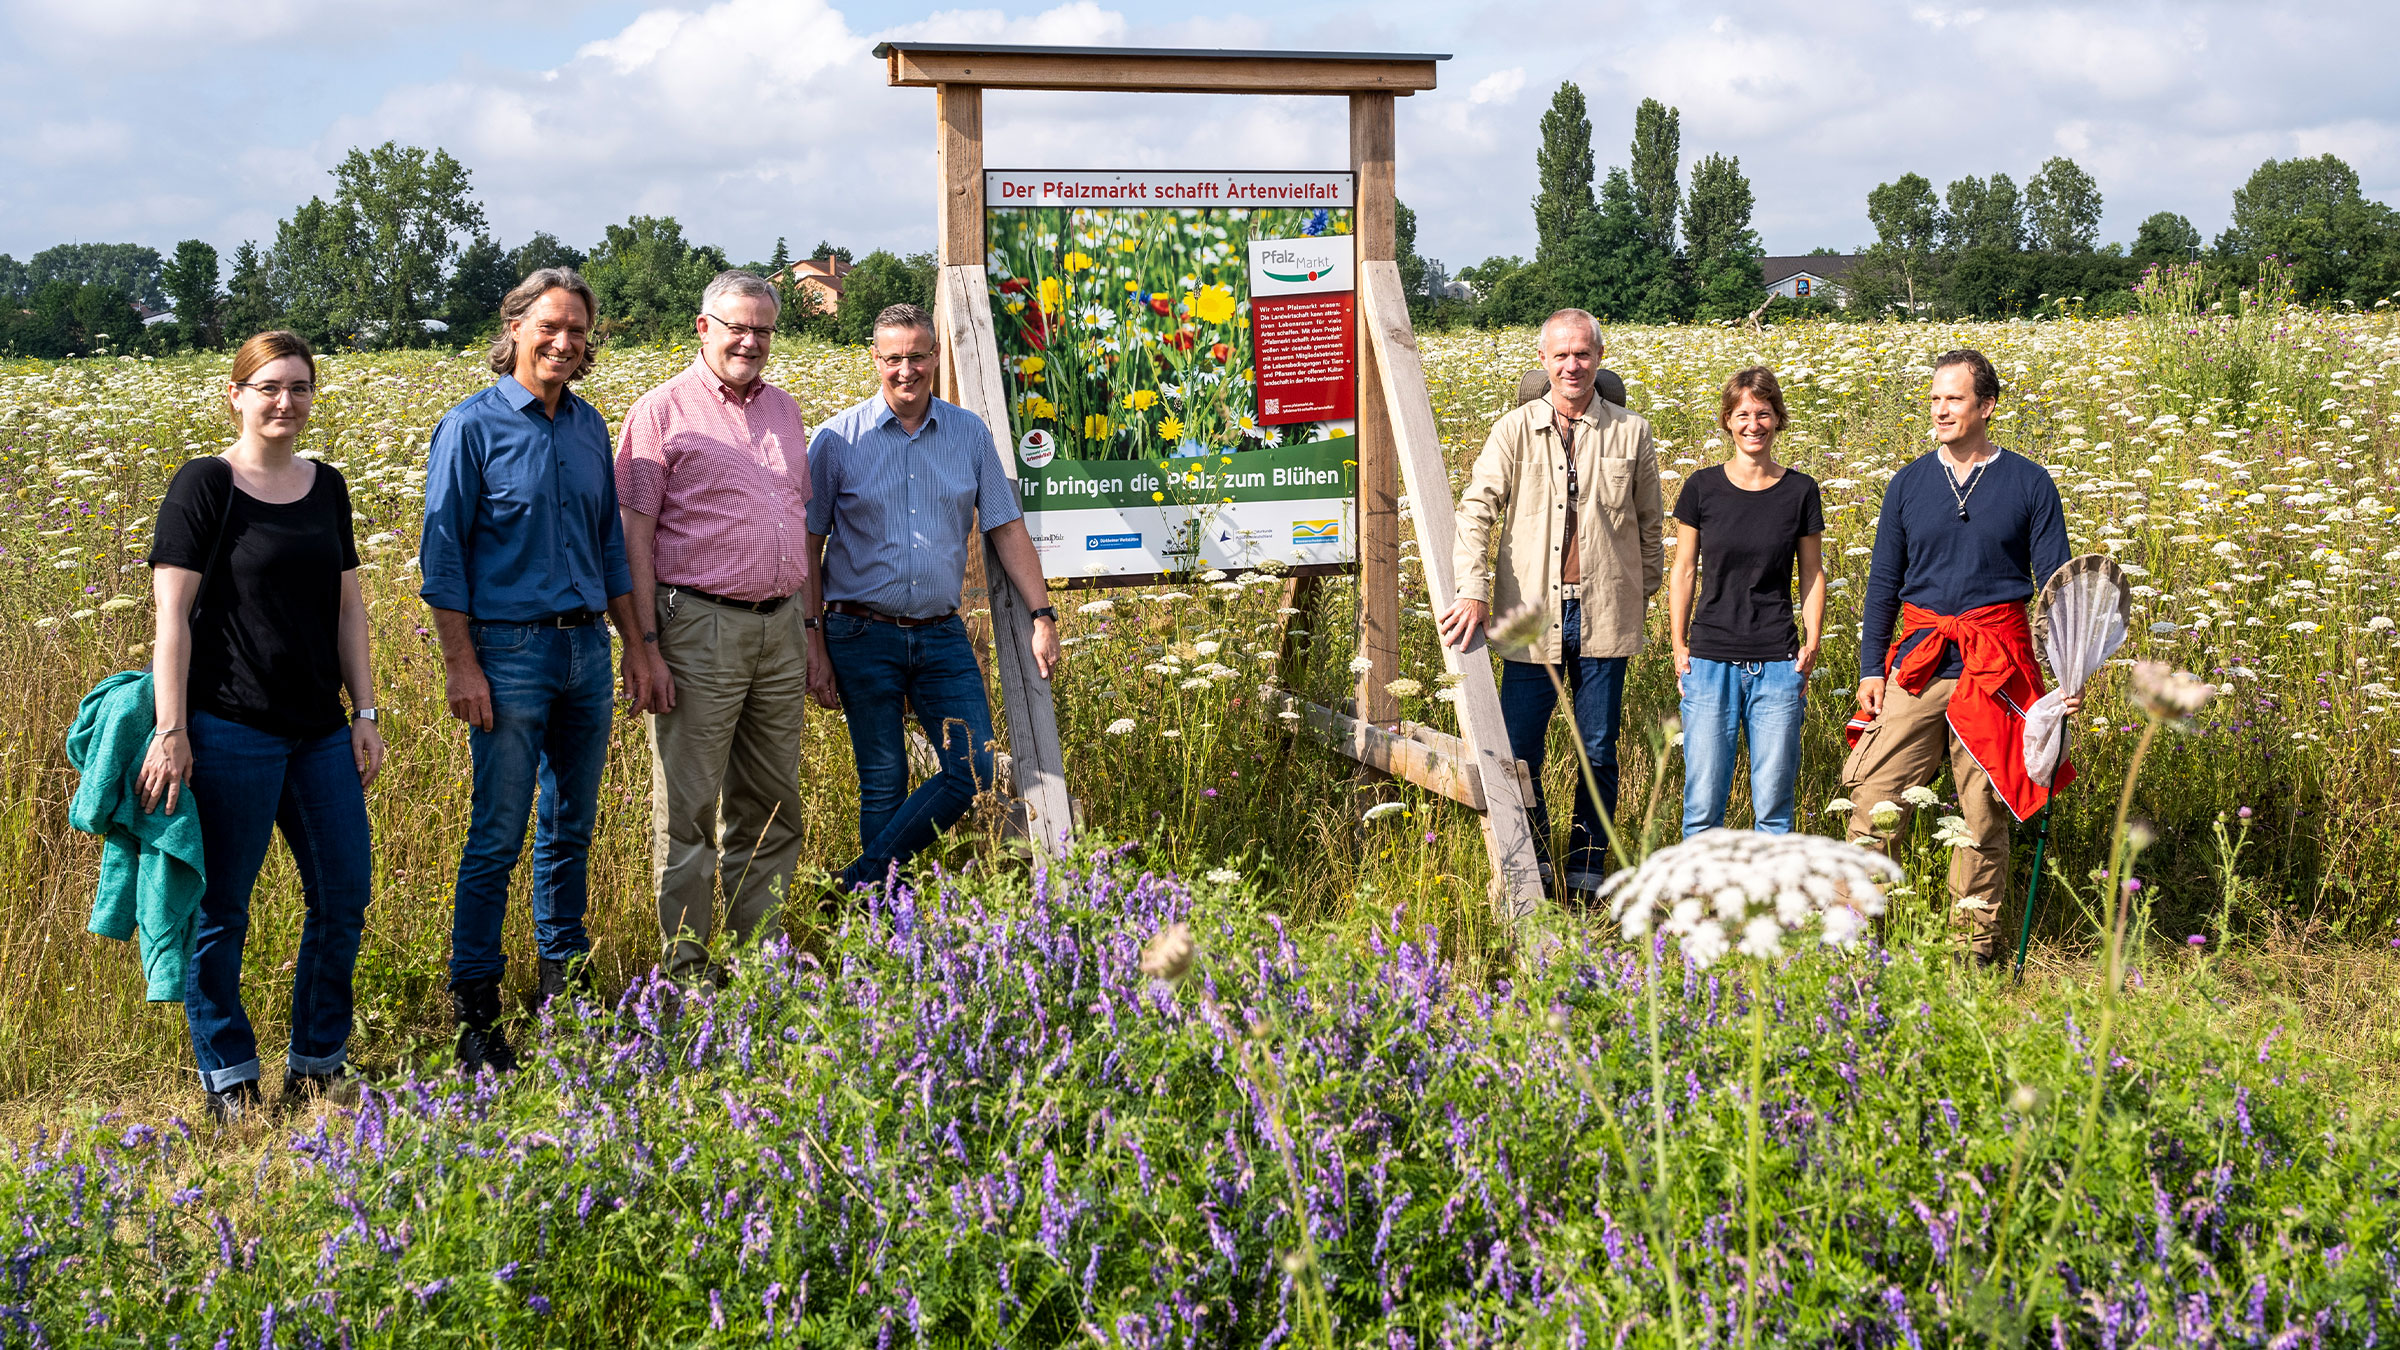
<point x="1179" y="351"/>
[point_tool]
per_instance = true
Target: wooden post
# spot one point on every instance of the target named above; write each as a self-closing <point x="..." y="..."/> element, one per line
<point x="1516" y="870"/>
<point x="958" y="166"/>
<point x="1037" y="763"/>
<point x="1371" y="157"/>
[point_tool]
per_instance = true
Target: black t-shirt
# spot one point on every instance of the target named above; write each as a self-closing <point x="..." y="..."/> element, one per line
<point x="265" y="650"/>
<point x="1749" y="547"/>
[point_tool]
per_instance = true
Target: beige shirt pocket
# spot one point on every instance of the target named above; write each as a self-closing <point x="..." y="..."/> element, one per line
<point x="1616" y="489"/>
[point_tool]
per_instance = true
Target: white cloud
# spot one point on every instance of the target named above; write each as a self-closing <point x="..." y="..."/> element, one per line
<point x="91" y="142"/>
<point x="1501" y="86"/>
<point x="2115" y="59"/>
<point x="1937" y="18"/>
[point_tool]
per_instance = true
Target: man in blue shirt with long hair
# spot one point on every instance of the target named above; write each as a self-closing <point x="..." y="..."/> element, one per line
<point x="523" y="553"/>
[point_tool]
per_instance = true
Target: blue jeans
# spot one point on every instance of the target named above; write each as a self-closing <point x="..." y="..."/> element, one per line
<point x="1596" y="684"/>
<point x="553" y="695"/>
<point x="1723" y="700"/>
<point x="246" y="784"/>
<point x="884" y="671"/>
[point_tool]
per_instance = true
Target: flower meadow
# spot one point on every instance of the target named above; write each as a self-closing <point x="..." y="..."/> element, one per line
<point x="1125" y="333"/>
<point x="961" y="1115"/>
<point x="972" y="1119"/>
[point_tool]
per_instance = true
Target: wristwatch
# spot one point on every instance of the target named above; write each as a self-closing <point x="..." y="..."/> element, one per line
<point x="362" y="715"/>
<point x="1047" y="612"/>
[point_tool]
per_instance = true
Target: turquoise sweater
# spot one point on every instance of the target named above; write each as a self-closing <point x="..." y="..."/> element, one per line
<point x="151" y="872"/>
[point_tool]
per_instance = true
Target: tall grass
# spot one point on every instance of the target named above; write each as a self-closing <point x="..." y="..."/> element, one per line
<point x="2256" y="531"/>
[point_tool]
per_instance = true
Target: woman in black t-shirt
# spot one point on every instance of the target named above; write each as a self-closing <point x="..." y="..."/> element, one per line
<point x="260" y="625"/>
<point x="1740" y="661"/>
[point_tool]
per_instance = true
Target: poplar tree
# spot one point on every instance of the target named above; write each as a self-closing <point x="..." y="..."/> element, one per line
<point x="1565" y="164"/>
<point x="1657" y="149"/>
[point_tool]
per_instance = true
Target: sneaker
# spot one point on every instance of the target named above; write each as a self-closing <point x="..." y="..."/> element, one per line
<point x="302" y="1090"/>
<point x="236" y="1103"/>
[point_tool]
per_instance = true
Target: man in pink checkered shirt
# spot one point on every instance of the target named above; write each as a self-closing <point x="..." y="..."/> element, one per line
<point x="712" y="478"/>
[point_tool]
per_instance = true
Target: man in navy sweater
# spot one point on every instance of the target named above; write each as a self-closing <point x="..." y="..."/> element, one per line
<point x="1966" y="536"/>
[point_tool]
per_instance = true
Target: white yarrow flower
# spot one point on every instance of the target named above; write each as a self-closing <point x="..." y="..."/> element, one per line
<point x="1839" y="806"/>
<point x="1921" y="797"/>
<point x="1098" y="607"/>
<point x="1121" y="726"/>
<point x="1381" y="809"/>
<point x="1360" y="665"/>
<point x="1223" y="876"/>
<point x="1952" y="832"/>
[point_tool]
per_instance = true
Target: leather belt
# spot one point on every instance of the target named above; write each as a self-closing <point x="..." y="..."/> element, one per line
<point x="858" y="611"/>
<point x="754" y="606"/>
<point x="580" y="618"/>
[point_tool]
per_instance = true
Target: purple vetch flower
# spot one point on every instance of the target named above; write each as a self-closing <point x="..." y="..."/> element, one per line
<point x="539" y="1305"/>
<point x="716" y="1309"/>
<point x="1895" y="1302"/>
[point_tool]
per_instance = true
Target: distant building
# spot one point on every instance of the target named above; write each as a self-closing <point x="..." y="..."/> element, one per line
<point x="819" y="278"/>
<point x="1817" y="277"/>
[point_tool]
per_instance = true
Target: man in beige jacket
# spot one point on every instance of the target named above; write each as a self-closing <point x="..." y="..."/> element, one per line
<point x="1571" y="482"/>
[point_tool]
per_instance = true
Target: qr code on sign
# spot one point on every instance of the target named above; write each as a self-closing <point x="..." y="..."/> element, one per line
<point x="1274" y="405"/>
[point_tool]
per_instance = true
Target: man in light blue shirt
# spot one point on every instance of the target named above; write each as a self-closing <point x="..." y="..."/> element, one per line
<point x="899" y="487"/>
<point x="522" y="552"/>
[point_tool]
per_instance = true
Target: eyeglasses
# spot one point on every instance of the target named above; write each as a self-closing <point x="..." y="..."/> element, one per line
<point x="899" y="359"/>
<point x="741" y="330"/>
<point x="301" y="393"/>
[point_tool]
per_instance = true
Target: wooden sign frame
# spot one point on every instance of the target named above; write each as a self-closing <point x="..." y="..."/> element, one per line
<point x="1397" y="437"/>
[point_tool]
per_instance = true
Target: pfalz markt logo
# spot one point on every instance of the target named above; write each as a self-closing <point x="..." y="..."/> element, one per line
<point x="1037" y="448"/>
<point x="1304" y="265"/>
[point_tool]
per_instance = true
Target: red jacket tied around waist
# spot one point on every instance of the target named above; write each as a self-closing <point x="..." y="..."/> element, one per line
<point x="1999" y="682"/>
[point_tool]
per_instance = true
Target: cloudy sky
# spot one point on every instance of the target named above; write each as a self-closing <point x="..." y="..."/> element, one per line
<point x="157" y="120"/>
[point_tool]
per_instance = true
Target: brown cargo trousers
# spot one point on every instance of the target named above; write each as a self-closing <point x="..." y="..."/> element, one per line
<point x="725" y="773"/>
<point x="1902" y="749"/>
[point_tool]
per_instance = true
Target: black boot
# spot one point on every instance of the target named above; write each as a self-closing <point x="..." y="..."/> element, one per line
<point x="479" y="1040"/>
<point x="235" y="1103"/>
<point x="562" y="974"/>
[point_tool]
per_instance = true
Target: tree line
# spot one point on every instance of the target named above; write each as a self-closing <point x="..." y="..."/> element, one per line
<point x="400" y="255"/>
<point x="1647" y="248"/>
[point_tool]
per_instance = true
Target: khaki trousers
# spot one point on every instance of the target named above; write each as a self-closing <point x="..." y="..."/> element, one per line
<point x="1904" y="749"/>
<point x="725" y="772"/>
